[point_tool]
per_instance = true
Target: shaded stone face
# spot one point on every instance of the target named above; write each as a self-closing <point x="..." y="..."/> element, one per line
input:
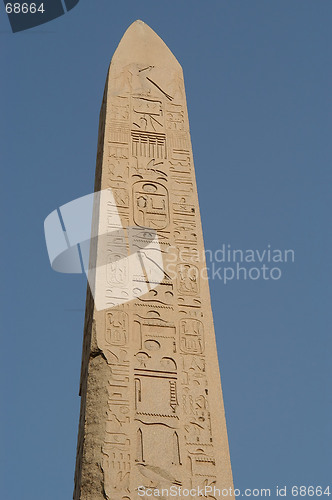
<point x="152" y="414"/>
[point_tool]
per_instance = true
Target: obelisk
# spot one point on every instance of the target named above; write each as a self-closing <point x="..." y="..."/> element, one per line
<point x="152" y="414"/>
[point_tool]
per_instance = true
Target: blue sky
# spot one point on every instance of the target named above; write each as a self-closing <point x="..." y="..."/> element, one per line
<point x="258" y="80"/>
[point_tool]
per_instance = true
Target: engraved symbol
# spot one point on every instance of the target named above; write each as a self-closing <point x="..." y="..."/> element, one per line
<point x="116" y="468"/>
<point x="159" y="88"/>
<point x="160" y="295"/>
<point x="142" y="358"/>
<point x="121" y="197"/>
<point x="118" y="169"/>
<point x="119" y="109"/>
<point x="185" y="231"/>
<point x="175" y="117"/>
<point x="202" y="463"/>
<point x="183" y="207"/>
<point x="148" y="144"/>
<point x="184" y="186"/>
<point x="149" y="169"/>
<point x="187" y="279"/>
<point x="119" y="376"/>
<point x="118" y="415"/>
<point x="164" y="390"/>
<point x="139" y="451"/>
<point x="148" y="114"/>
<point x="173" y="395"/>
<point x="188" y="253"/>
<point x="191" y="336"/>
<point x="152" y="345"/>
<point x="117" y="328"/>
<point x="118" y="151"/>
<point x="149" y="68"/>
<point x="157" y="475"/>
<point x="168" y="364"/>
<point x="117" y="269"/>
<point x="176" y="449"/>
<point x="179" y="144"/>
<point x="119" y="132"/>
<point x="150" y="205"/>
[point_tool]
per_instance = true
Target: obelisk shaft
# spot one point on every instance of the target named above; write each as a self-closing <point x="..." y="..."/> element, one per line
<point x="152" y="412"/>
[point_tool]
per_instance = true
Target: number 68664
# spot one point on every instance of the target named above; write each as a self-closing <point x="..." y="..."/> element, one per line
<point x="24" y="8"/>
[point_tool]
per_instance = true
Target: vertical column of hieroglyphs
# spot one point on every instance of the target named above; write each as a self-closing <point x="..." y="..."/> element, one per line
<point x="198" y="450"/>
<point x="115" y="322"/>
<point x="157" y="418"/>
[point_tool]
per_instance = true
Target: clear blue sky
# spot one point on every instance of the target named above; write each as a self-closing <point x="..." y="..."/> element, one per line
<point x="258" y="81"/>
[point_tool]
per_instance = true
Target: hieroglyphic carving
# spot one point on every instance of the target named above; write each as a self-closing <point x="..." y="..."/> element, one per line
<point x="147" y="114"/>
<point x="183" y="206"/>
<point x="151" y="205"/>
<point x="185" y="231"/>
<point x="187" y="253"/>
<point x="119" y="109"/>
<point x="182" y="185"/>
<point x="118" y="169"/>
<point x="116" y="463"/>
<point x="191" y="336"/>
<point x="163" y="295"/>
<point x="117" y="328"/>
<point x="179" y="141"/>
<point x="149" y="169"/>
<point x="175" y="117"/>
<point x="180" y="161"/>
<point x="116" y="466"/>
<point x="118" y="151"/>
<point x="187" y="279"/>
<point x="148" y="144"/>
<point x="119" y="132"/>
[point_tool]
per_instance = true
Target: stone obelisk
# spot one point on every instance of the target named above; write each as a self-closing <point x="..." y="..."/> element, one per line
<point x="152" y="414"/>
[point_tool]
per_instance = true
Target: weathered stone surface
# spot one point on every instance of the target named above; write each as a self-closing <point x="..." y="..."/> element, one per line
<point x="152" y="411"/>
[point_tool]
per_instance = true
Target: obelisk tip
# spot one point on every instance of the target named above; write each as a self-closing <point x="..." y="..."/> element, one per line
<point x="141" y="43"/>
